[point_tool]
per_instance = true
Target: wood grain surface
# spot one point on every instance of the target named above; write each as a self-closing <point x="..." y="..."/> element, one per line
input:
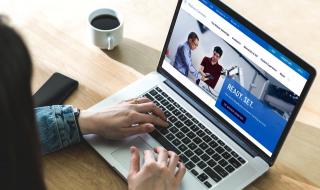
<point x="57" y="35"/>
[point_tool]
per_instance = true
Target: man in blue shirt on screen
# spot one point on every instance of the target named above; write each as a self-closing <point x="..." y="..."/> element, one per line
<point x="183" y="60"/>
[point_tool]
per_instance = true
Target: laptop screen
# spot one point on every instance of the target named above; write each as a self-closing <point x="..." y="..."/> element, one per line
<point x="240" y="76"/>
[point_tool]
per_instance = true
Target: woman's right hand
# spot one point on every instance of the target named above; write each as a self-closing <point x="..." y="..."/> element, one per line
<point x="155" y="174"/>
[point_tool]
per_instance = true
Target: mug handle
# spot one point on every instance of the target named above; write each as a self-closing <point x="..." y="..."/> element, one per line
<point x="110" y="42"/>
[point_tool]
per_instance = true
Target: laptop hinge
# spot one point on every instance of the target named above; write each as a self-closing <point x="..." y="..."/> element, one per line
<point x="203" y="109"/>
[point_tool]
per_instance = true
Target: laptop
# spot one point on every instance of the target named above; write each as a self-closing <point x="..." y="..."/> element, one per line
<point x="227" y="129"/>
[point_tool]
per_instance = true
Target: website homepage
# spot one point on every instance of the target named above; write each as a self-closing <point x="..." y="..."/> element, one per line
<point x="253" y="88"/>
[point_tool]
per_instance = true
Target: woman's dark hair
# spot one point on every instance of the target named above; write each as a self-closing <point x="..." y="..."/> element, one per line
<point x="20" y="164"/>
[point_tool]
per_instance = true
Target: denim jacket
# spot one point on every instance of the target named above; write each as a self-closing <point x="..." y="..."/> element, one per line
<point x="57" y="127"/>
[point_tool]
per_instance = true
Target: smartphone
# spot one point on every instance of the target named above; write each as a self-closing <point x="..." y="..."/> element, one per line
<point x="55" y="90"/>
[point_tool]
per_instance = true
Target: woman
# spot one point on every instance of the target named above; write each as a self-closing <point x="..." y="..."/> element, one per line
<point x="27" y="131"/>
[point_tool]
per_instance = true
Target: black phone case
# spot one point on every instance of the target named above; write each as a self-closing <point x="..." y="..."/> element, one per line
<point x="55" y="90"/>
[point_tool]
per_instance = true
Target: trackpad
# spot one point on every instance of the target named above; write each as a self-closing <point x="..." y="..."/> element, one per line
<point x="123" y="155"/>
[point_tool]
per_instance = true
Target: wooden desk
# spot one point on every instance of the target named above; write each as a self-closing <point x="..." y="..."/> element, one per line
<point x="56" y="33"/>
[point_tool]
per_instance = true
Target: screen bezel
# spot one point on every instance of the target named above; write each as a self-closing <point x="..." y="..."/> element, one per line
<point x="276" y="45"/>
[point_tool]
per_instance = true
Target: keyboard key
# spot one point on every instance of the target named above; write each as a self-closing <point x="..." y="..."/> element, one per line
<point x="170" y="99"/>
<point x="180" y="135"/>
<point x="192" y="146"/>
<point x="162" y="108"/>
<point x="195" y="159"/>
<point x="183" y="158"/>
<point x="203" y="177"/>
<point x="164" y="94"/>
<point x="226" y="155"/>
<point x="198" y="151"/>
<point x="149" y="97"/>
<point x="200" y="133"/>
<point x="167" y="113"/>
<point x="212" y="174"/>
<point x="201" y="126"/>
<point x="158" y="89"/>
<point x="170" y="107"/>
<point x="220" y="171"/>
<point x="197" y="140"/>
<point x="164" y="142"/>
<point x="164" y="102"/>
<point x="241" y="160"/>
<point x="194" y="172"/>
<point x="153" y="92"/>
<point x="178" y="124"/>
<point x="208" y="131"/>
<point x="203" y="145"/>
<point x="176" y="142"/>
<point x="190" y="165"/>
<point x="216" y="157"/>
<point x="221" y="142"/>
<point x="212" y="163"/>
<point x="185" y="129"/>
<point x="182" y="110"/>
<point x="189" y="115"/>
<point x="207" y="184"/>
<point x="206" y="138"/>
<point x="205" y="157"/>
<point x="213" y="144"/>
<point x="164" y="131"/>
<point x="182" y="147"/>
<point x="191" y="135"/>
<point x="158" y="97"/>
<point x="170" y="136"/>
<point x="195" y="120"/>
<point x="176" y="112"/>
<point x="223" y="163"/>
<point x="194" y="128"/>
<point x="174" y="130"/>
<point x="229" y="168"/>
<point x="186" y="140"/>
<point x="176" y="104"/>
<point x="189" y="153"/>
<point x="234" y="154"/>
<point x="188" y="122"/>
<point x="210" y="151"/>
<point x="214" y="136"/>
<point x="182" y="117"/>
<point x="219" y="149"/>
<point x="234" y="162"/>
<point x="172" y="119"/>
<point x="201" y="164"/>
<point x="227" y="148"/>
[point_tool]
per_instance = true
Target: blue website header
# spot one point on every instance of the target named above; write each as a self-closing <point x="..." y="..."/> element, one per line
<point x="257" y="39"/>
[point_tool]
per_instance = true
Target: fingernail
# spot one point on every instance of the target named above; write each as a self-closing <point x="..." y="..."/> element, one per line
<point x="151" y="127"/>
<point x="132" y="149"/>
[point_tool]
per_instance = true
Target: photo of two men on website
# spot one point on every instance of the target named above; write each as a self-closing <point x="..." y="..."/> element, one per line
<point x="207" y="60"/>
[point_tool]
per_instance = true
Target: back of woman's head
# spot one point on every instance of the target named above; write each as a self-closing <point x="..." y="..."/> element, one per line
<point x="20" y="154"/>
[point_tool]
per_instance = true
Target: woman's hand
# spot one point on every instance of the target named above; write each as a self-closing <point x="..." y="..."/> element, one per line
<point x="128" y="118"/>
<point x="155" y="174"/>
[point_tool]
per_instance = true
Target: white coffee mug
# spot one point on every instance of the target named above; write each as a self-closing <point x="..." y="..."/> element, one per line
<point x="106" y="39"/>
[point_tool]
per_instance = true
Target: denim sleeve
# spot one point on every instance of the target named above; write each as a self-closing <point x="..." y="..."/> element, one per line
<point x="57" y="127"/>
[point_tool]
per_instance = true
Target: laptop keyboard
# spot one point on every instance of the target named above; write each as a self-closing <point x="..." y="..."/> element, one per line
<point x="206" y="156"/>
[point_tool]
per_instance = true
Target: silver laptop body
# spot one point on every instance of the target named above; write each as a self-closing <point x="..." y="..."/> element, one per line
<point x="254" y="159"/>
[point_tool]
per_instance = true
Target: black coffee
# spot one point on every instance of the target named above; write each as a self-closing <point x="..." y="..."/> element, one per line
<point x="105" y="22"/>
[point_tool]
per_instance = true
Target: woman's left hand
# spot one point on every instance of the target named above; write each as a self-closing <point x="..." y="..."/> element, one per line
<point x="128" y="118"/>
